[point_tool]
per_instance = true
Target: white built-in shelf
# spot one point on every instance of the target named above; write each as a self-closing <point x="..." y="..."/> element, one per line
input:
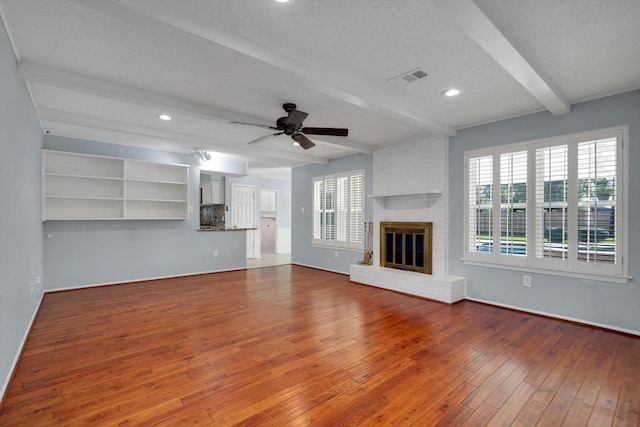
<point x="426" y="196"/>
<point x="80" y="186"/>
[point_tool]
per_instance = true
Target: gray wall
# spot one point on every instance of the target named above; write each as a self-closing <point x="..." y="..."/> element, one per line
<point x="20" y="210"/>
<point x="598" y="302"/>
<point x="302" y="252"/>
<point x="81" y="253"/>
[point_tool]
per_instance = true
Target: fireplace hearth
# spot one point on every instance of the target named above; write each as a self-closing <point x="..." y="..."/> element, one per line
<point x="406" y="246"/>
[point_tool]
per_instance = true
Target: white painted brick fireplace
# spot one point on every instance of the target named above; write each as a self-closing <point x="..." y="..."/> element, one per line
<point x="410" y="185"/>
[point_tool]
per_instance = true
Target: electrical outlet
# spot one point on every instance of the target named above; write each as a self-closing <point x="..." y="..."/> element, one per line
<point x="35" y="282"/>
<point x="526" y="281"/>
<point x="215" y="254"/>
<point x="336" y="254"/>
<point x="190" y="208"/>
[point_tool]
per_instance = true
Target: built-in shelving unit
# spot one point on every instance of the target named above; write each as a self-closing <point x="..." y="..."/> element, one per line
<point x="80" y="186"/>
<point x="427" y="196"/>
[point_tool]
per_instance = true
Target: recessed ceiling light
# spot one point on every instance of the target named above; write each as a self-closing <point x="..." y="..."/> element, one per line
<point x="451" y="92"/>
<point x="282" y="1"/>
<point x="164" y="117"/>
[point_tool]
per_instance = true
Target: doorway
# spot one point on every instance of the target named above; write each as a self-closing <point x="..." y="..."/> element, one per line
<point x="273" y="250"/>
<point x="269" y="221"/>
<point x="268" y="235"/>
<point x="243" y="215"/>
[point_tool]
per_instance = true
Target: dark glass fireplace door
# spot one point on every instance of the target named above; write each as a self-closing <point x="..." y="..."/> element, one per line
<point x="404" y="250"/>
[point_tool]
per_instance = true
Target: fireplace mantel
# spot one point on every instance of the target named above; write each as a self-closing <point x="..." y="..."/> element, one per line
<point x="427" y="196"/>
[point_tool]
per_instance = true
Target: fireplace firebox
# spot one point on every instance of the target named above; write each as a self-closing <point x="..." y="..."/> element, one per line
<point x="406" y="246"/>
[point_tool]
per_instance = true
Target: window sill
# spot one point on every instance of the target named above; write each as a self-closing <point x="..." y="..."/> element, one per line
<point x="584" y="276"/>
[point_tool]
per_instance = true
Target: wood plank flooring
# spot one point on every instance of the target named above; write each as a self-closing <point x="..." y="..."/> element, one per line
<point x="290" y="345"/>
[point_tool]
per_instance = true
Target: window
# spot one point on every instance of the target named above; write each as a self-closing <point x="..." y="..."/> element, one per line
<point x="338" y="210"/>
<point x="555" y="204"/>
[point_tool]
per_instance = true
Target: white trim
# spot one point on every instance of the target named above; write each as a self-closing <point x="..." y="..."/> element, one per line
<point x="617" y="273"/>
<point x="556" y="316"/>
<point x="16" y="358"/>
<point x="596" y="133"/>
<point x="623" y="280"/>
<point x="480" y="25"/>
<point x="10" y="34"/>
<point x="315" y="267"/>
<point x="335" y="243"/>
<point x="122" y="282"/>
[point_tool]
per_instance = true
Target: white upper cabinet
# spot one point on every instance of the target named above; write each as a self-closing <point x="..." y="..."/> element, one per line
<point x="213" y="193"/>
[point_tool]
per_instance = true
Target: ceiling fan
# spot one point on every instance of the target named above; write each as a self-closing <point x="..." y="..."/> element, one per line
<point x="292" y="125"/>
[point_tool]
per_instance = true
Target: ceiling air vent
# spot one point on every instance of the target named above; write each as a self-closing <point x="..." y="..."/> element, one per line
<point x="408" y="77"/>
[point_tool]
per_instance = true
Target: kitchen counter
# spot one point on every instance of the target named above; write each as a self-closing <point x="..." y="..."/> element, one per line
<point x="206" y="228"/>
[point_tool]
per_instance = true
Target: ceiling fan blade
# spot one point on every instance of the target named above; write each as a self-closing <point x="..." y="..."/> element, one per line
<point x="268" y="136"/>
<point x="326" y="131"/>
<point x="302" y="140"/>
<point x="254" y="124"/>
<point x="296" y="118"/>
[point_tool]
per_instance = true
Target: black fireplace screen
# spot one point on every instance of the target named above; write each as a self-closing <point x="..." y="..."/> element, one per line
<point x="406" y="246"/>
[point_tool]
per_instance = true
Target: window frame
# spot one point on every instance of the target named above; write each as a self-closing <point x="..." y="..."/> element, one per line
<point x="345" y="214"/>
<point x="617" y="272"/>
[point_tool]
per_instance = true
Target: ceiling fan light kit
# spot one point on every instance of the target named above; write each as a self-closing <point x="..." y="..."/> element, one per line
<point x="201" y="154"/>
<point x="291" y="125"/>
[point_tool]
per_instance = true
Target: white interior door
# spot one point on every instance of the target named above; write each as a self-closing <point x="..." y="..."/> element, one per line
<point x="244" y="212"/>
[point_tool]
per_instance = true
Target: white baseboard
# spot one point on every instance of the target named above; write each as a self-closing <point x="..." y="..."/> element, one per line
<point x="94" y="285"/>
<point x="320" y="268"/>
<point x="16" y="358"/>
<point x="557" y="316"/>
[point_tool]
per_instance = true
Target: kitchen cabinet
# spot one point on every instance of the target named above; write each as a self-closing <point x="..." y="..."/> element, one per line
<point x="212" y="193"/>
<point x="268" y="201"/>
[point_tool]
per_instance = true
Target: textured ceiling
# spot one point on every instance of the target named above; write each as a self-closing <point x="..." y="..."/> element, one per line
<point x="104" y="69"/>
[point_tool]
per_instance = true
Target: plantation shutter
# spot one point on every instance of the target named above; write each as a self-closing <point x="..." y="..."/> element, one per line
<point x="318" y="209"/>
<point x="342" y="208"/>
<point x="338" y="210"/>
<point x="513" y="203"/>
<point x="597" y="214"/>
<point x="329" y="209"/>
<point x="552" y="204"/>
<point x="356" y="217"/>
<point x="480" y="213"/>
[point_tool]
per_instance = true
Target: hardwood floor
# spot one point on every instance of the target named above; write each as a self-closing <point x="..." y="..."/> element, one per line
<point x="289" y="345"/>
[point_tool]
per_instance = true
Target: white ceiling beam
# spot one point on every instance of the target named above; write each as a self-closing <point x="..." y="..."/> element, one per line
<point x="315" y="76"/>
<point x="343" y="143"/>
<point x="63" y="79"/>
<point x="253" y="153"/>
<point x="478" y="25"/>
